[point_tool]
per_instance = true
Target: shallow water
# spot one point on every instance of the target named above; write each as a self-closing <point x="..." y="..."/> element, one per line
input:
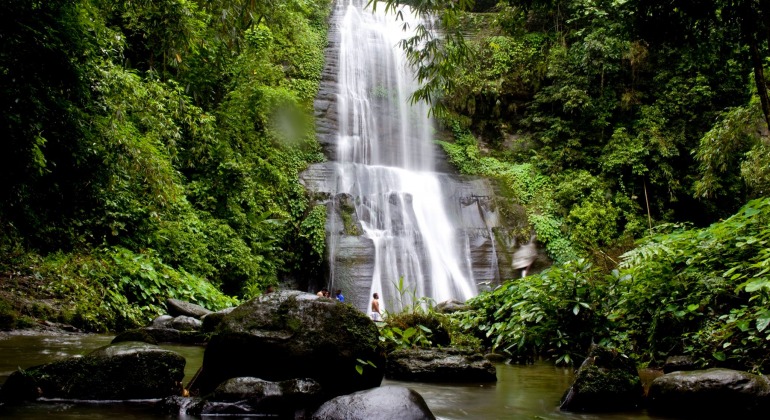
<point x="521" y="392"/>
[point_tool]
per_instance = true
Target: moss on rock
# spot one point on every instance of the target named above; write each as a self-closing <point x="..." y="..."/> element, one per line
<point x="123" y="371"/>
<point x="290" y="334"/>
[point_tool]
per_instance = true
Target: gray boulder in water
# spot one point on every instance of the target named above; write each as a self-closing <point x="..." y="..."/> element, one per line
<point x="679" y="363"/>
<point x="711" y="393"/>
<point x="122" y="371"/>
<point x="439" y="365"/>
<point x="387" y="402"/>
<point x="178" y="307"/>
<point x="252" y="397"/>
<point x="186" y="323"/>
<point x="290" y="334"/>
<point x="160" y="335"/>
<point x="606" y="381"/>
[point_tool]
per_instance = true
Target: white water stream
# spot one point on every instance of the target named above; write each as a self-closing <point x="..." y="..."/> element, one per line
<point x="387" y="158"/>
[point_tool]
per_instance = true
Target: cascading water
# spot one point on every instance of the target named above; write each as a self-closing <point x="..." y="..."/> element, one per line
<point x="386" y="164"/>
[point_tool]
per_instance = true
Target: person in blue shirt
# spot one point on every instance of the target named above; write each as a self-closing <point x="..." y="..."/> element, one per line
<point x="339" y="296"/>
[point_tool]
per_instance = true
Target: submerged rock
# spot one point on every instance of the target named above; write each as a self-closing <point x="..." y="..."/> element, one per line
<point x="439" y="365"/>
<point x="290" y="334"/>
<point x="254" y="396"/>
<point x="387" y="402"/>
<point x="711" y="393"/>
<point x="606" y="381"/>
<point x="123" y="371"/>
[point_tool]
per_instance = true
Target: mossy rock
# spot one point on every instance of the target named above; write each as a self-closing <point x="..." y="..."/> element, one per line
<point x="439" y="365"/>
<point x="290" y="334"/>
<point x="606" y="381"/>
<point x="123" y="371"/>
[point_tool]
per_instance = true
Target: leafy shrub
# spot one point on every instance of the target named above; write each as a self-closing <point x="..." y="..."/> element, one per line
<point x="558" y="312"/>
<point x="8" y="316"/>
<point x="701" y="292"/>
<point x="705" y="292"/>
<point x="119" y="289"/>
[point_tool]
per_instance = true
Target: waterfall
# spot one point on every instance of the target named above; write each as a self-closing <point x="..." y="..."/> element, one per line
<point x="386" y="163"/>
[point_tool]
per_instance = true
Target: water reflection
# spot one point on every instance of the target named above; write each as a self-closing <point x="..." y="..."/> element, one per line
<point x="521" y="392"/>
<point x="23" y="351"/>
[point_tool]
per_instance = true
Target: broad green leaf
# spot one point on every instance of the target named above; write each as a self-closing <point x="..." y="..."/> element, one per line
<point x="754" y="285"/>
<point x="763" y="320"/>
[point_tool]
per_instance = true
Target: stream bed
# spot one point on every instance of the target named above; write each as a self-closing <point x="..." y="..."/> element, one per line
<point x="521" y="391"/>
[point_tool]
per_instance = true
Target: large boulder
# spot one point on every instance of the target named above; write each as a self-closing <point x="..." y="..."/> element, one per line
<point x="387" y="402"/>
<point x="712" y="393"/>
<point x="439" y="365"/>
<point x="290" y="334"/>
<point x="178" y="307"/>
<point x="606" y="381"/>
<point x="123" y="371"/>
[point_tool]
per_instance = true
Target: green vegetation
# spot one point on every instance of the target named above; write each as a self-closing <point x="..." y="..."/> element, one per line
<point x="609" y="121"/>
<point x="153" y="150"/>
<point x="703" y="292"/>
<point x="417" y="324"/>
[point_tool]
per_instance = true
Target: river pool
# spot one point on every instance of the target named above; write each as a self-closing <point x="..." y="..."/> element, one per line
<point x="521" y="392"/>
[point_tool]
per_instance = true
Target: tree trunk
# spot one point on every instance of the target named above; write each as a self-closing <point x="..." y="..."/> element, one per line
<point x="759" y="79"/>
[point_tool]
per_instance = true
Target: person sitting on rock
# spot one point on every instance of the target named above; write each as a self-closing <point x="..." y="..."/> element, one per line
<point x="339" y="295"/>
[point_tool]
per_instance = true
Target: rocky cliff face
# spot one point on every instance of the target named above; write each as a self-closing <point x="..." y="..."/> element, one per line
<point x="486" y="236"/>
<point x="490" y="237"/>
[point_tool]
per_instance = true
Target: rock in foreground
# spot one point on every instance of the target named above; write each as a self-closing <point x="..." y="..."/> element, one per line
<point x="123" y="371"/>
<point x="711" y="393"/>
<point x="288" y="335"/>
<point x="387" y="402"/>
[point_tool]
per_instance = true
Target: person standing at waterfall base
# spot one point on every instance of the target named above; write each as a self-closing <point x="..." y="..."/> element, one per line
<point x="376" y="308"/>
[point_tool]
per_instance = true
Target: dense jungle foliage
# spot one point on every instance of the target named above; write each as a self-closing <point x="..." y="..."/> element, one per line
<point x="630" y="131"/>
<point x="152" y="149"/>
